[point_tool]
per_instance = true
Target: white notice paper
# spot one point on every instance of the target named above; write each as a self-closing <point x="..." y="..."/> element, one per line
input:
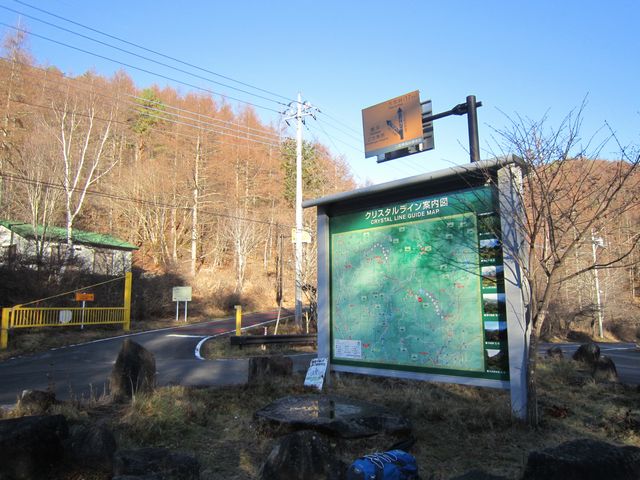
<point x="316" y="372"/>
<point x="347" y="349"/>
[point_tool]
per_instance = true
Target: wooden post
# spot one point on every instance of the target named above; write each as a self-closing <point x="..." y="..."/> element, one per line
<point x="127" y="302"/>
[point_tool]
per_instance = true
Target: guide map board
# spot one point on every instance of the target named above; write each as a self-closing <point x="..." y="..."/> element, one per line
<point x="418" y="285"/>
<point x="422" y="278"/>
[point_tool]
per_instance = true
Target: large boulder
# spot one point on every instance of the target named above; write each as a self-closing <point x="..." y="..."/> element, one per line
<point x="148" y="463"/>
<point x="91" y="446"/>
<point x="334" y="415"/>
<point x="134" y="371"/>
<point x="584" y="459"/>
<point x="262" y="369"/>
<point x="31" y="446"/>
<point x="303" y="455"/>
<point x="587" y="353"/>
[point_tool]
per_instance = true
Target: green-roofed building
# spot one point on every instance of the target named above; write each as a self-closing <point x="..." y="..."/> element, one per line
<point x="97" y="252"/>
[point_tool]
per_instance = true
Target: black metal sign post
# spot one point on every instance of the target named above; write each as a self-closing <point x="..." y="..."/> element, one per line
<point x="470" y="108"/>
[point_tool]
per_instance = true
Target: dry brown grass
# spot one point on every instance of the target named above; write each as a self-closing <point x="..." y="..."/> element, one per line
<point x="456" y="428"/>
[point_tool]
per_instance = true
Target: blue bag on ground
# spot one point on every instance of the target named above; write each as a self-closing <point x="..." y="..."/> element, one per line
<point x="391" y="465"/>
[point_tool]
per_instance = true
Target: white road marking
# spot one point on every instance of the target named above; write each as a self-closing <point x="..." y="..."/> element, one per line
<point x="135" y="334"/>
<point x="179" y="335"/>
<point x="202" y="342"/>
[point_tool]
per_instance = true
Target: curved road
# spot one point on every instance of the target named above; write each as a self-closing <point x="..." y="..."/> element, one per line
<point x="82" y="370"/>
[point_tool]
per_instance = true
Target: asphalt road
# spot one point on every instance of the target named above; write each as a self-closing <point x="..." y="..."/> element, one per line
<point x="82" y="370"/>
<point x="626" y="356"/>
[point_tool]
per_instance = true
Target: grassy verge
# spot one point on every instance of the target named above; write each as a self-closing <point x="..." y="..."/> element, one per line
<point x="457" y="428"/>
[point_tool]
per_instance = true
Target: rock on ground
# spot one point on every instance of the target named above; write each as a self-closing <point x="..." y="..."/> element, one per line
<point x="303" y="455"/>
<point x="604" y="369"/>
<point x="584" y="459"/>
<point x="30" y="446"/>
<point x="587" y="353"/>
<point x="36" y="402"/>
<point x="91" y="447"/>
<point x="146" y="462"/>
<point x="261" y="369"/>
<point x="334" y="415"/>
<point x="134" y="371"/>
<point x="555" y="352"/>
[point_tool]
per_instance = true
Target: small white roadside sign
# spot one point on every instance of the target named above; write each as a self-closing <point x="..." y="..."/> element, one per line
<point x="181" y="294"/>
<point x="316" y="373"/>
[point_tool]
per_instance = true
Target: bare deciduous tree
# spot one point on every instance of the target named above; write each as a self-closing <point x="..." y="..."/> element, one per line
<point x="568" y="193"/>
<point x="82" y="135"/>
<point x="244" y="236"/>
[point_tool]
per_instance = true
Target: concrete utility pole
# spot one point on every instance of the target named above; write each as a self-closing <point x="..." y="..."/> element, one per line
<point x="597" y="242"/>
<point x="302" y="109"/>
<point x="299" y="212"/>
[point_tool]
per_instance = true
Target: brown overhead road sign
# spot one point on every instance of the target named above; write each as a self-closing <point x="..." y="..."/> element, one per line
<point x="392" y="125"/>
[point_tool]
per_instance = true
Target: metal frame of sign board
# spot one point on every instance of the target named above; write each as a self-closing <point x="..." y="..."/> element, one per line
<point x="506" y="172"/>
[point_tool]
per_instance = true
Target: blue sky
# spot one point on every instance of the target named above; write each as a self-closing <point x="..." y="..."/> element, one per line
<point x="526" y="58"/>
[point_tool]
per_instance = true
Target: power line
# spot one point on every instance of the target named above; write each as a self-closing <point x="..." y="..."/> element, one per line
<point x="405" y="165"/>
<point x="138" y="68"/>
<point x="163" y="116"/>
<point x="141" y="56"/>
<point x="268" y="140"/>
<point x="154" y="51"/>
<point x="350" y="145"/>
<point x="49" y="107"/>
<point x="139" y="201"/>
<point x="263" y="131"/>
<point x="338" y="122"/>
<point x="353" y="137"/>
<point x="330" y="139"/>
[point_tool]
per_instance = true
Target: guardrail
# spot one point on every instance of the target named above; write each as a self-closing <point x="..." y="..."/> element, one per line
<point x="20" y="316"/>
<point x="309" y="339"/>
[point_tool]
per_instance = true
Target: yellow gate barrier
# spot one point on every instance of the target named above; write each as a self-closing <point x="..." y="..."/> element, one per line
<point x="20" y="316"/>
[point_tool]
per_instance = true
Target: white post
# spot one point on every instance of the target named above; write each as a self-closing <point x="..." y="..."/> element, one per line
<point x="594" y="242"/>
<point x="298" y="239"/>
<point x="516" y="289"/>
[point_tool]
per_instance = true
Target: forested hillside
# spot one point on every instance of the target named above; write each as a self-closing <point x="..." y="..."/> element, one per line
<point x="203" y="187"/>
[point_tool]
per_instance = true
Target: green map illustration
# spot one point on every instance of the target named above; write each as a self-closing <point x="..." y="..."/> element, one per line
<point x="409" y="294"/>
